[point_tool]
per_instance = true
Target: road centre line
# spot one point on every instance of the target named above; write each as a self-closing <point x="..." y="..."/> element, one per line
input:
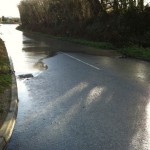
<point x="82" y="61"/>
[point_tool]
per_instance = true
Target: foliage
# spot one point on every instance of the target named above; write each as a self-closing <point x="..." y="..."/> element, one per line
<point x="5" y="81"/>
<point x="121" y="22"/>
<point x="9" y="20"/>
<point x="137" y="52"/>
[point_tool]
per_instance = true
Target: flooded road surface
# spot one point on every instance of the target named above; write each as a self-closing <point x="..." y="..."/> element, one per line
<point x="76" y="101"/>
<point x="23" y="50"/>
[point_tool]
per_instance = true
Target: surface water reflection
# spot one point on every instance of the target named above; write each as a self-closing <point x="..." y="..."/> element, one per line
<point x="122" y="97"/>
<point x="126" y="68"/>
<point x="24" y="51"/>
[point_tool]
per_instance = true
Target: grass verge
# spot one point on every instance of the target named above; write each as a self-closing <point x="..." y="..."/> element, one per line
<point x="136" y="52"/>
<point x="5" y="79"/>
<point x="100" y="45"/>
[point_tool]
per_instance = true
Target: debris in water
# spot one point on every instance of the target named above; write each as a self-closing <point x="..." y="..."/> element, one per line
<point x="22" y="76"/>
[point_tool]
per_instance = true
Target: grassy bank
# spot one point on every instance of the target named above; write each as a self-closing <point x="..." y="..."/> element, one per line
<point x="5" y="78"/>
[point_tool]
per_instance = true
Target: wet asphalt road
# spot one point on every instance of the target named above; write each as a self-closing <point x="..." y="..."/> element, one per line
<point x="79" y="102"/>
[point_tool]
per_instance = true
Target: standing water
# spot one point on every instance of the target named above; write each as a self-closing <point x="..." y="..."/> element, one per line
<point x="74" y="106"/>
<point x="25" y="53"/>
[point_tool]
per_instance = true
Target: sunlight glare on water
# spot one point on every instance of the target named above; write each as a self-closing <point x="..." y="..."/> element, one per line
<point x="94" y="95"/>
<point x="15" y="41"/>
